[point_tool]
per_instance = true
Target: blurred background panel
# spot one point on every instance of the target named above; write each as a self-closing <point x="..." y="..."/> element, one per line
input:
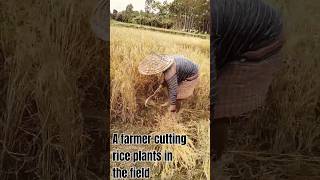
<point x="54" y="90"/>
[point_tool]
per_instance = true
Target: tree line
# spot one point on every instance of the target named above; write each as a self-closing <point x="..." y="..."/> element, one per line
<point x="185" y="15"/>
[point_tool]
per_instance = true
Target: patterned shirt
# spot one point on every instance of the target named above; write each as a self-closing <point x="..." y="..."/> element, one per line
<point x="184" y="69"/>
<point x="239" y="26"/>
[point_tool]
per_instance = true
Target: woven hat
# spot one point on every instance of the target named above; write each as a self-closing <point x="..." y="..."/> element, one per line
<point x="154" y="64"/>
<point x="242" y="86"/>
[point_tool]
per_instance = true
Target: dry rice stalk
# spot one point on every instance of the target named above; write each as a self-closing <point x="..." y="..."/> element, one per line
<point x="184" y="156"/>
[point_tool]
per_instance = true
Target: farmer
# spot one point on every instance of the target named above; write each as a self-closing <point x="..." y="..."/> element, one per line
<point x="245" y="36"/>
<point x="179" y="74"/>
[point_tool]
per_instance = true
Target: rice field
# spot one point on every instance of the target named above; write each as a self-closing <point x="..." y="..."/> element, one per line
<point x="129" y="89"/>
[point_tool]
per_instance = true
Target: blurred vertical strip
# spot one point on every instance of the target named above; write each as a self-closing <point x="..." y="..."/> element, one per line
<point x="212" y="89"/>
<point x="100" y="25"/>
<point x="54" y="90"/>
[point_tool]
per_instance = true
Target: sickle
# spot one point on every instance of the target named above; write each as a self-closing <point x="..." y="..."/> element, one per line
<point x="154" y="93"/>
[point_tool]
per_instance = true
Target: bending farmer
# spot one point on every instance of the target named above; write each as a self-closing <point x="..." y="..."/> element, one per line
<point x="180" y="76"/>
<point x="246" y="36"/>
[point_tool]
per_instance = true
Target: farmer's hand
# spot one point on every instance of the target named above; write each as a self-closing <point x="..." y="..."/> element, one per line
<point x="173" y="111"/>
<point x="172" y="108"/>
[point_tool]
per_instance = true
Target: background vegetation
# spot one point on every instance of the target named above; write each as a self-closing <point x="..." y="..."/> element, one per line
<point x="185" y="15"/>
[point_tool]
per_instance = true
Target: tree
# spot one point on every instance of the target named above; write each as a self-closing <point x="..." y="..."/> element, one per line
<point x="128" y="13"/>
<point x="114" y="14"/>
<point x="129" y="8"/>
<point x="148" y="6"/>
<point x="119" y="17"/>
<point x="187" y="15"/>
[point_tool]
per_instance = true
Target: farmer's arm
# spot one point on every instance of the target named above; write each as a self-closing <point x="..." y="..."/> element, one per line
<point x="170" y="76"/>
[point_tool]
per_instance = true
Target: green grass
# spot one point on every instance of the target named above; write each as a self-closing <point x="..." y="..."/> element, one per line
<point x="150" y="28"/>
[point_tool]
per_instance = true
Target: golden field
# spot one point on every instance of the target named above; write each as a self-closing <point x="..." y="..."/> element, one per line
<point x="129" y="89"/>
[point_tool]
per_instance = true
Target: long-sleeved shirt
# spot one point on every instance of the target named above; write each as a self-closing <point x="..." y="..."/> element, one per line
<point x="239" y="26"/>
<point x="181" y="69"/>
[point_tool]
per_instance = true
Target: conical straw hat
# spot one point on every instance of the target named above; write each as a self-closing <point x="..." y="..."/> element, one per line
<point x="154" y="64"/>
